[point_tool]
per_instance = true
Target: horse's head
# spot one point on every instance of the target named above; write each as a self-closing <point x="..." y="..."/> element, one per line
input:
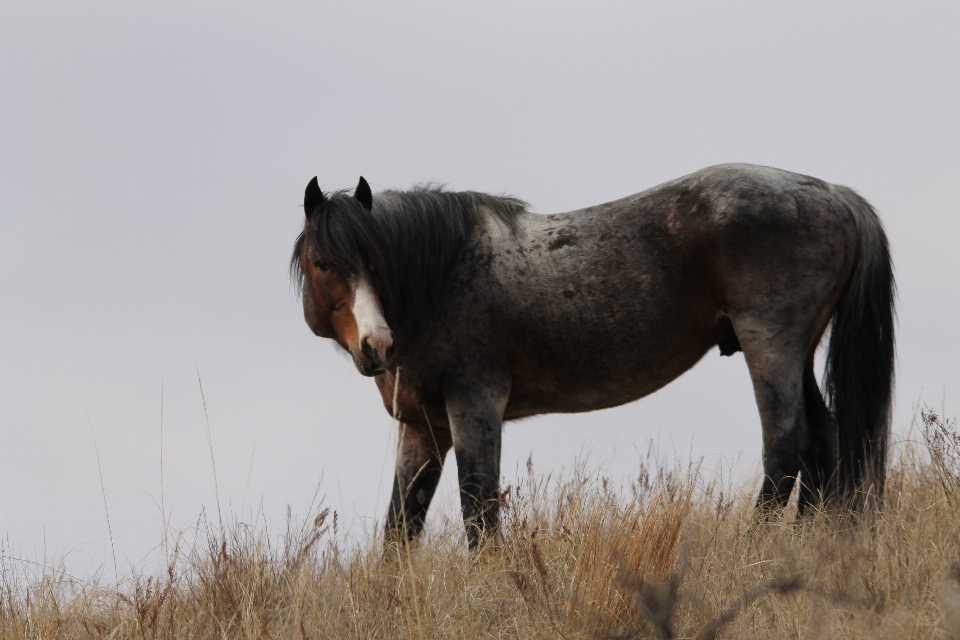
<point x="339" y="296"/>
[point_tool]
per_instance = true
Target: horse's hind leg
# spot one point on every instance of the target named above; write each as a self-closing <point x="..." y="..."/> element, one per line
<point x="420" y="454"/>
<point x="819" y="460"/>
<point x="777" y="373"/>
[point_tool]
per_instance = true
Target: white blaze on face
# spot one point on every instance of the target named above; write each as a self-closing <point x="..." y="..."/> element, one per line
<point x="371" y="324"/>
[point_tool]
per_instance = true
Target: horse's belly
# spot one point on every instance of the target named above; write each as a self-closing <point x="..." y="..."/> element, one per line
<point x="600" y="383"/>
<point x="578" y="400"/>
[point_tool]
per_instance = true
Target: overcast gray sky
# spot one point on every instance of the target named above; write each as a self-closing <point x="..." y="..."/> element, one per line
<point x="153" y="157"/>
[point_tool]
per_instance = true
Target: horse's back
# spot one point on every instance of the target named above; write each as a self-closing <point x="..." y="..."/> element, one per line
<point x="701" y="232"/>
<point x="744" y="197"/>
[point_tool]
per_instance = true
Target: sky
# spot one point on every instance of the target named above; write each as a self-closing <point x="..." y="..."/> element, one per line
<point x="155" y="367"/>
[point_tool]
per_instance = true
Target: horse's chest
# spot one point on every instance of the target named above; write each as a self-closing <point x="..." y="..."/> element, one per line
<point x="409" y="402"/>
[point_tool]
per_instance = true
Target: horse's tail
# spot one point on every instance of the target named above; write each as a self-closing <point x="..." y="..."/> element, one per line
<point x="860" y="360"/>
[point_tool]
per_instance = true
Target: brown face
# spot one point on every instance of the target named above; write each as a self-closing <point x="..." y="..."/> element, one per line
<point x="343" y="307"/>
<point x="327" y="298"/>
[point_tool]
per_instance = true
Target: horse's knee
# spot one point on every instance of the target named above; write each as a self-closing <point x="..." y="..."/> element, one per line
<point x="409" y="504"/>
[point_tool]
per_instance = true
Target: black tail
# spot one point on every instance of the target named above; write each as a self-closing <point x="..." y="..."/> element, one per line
<point x="860" y="361"/>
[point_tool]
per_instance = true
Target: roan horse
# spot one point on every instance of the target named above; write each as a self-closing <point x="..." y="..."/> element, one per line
<point x="469" y="310"/>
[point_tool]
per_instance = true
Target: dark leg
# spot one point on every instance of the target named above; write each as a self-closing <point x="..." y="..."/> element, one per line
<point x="420" y="454"/>
<point x="476" y="419"/>
<point x="479" y="494"/>
<point x="777" y="375"/>
<point x="819" y="461"/>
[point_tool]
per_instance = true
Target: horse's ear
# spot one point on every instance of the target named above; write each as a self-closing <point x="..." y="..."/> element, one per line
<point x="364" y="195"/>
<point x="312" y="197"/>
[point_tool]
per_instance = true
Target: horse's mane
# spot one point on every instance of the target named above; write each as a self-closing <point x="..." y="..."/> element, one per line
<point x="408" y="243"/>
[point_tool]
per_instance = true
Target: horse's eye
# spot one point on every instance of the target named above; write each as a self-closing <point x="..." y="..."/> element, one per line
<point x="321" y="265"/>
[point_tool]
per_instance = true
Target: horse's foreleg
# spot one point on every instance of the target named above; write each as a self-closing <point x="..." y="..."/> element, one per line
<point x="420" y="453"/>
<point x="476" y="420"/>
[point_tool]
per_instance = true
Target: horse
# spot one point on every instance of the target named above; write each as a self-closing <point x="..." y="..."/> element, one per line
<point x="469" y="310"/>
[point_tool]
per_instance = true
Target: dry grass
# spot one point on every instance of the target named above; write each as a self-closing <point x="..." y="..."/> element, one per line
<point x="670" y="558"/>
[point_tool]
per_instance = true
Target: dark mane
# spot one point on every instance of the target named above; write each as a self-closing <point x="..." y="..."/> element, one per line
<point x="408" y="243"/>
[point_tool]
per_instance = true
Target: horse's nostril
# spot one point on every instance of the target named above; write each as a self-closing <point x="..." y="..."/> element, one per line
<point x="367" y="350"/>
<point x="389" y="352"/>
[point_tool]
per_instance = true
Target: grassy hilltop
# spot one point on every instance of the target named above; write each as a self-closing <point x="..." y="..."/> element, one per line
<point x="671" y="558"/>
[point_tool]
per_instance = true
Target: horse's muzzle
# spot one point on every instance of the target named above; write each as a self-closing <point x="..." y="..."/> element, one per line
<point x="370" y="363"/>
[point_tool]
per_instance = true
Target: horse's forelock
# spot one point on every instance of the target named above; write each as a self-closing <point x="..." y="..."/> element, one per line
<point x="343" y="233"/>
